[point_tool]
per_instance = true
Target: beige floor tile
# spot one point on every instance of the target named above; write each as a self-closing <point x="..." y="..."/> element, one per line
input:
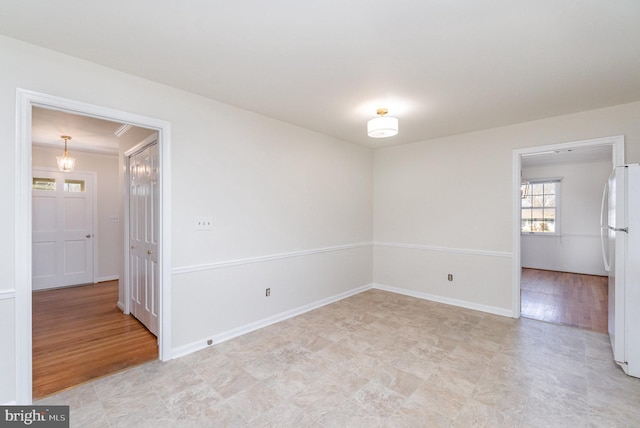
<point x="145" y="414"/>
<point x="402" y="382"/>
<point x="212" y="356"/>
<point x="228" y="379"/>
<point x="436" y="395"/>
<point x="77" y="397"/>
<point x="159" y="368"/>
<point x="343" y="378"/>
<point x="378" y="399"/>
<point x="350" y="414"/>
<point x="289" y="382"/>
<point x="283" y="415"/>
<point x="319" y="399"/>
<point x="311" y="343"/>
<point x="119" y="405"/>
<point x="602" y="414"/>
<point x="88" y="418"/>
<point x="417" y="409"/>
<point x="122" y="383"/>
<point x="376" y="359"/>
<point x="195" y="402"/>
<point x="478" y="414"/>
<point x="253" y="402"/>
<point x="264" y="365"/>
<point x="555" y="407"/>
<point x="175" y="381"/>
<point x="339" y="353"/>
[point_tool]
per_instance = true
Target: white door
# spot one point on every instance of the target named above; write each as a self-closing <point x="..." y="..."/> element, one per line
<point x="62" y="234"/>
<point x="143" y="236"/>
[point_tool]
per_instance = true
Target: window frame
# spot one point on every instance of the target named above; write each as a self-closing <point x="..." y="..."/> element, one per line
<point x="556" y="181"/>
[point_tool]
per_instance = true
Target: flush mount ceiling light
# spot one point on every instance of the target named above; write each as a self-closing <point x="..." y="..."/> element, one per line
<point x="65" y="162"/>
<point x="382" y="126"/>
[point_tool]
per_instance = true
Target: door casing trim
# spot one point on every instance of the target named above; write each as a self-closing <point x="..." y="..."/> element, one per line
<point x="617" y="155"/>
<point x="25" y="101"/>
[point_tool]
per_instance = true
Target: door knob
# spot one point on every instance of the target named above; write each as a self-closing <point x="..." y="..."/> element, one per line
<point x="88" y="235"/>
<point x="133" y="247"/>
<point x="149" y="252"/>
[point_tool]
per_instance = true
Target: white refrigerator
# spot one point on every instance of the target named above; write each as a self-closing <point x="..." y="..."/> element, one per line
<point x="620" y="232"/>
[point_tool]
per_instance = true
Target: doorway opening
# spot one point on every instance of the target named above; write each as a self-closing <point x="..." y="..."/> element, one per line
<point x="79" y="334"/>
<point x="26" y="101"/>
<point x="557" y="255"/>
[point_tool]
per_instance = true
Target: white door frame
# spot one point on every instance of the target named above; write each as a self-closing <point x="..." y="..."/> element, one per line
<point x="617" y="151"/>
<point x="25" y="101"/>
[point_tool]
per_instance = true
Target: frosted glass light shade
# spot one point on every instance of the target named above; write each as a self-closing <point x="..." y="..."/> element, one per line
<point x="382" y="127"/>
<point x="66" y="163"/>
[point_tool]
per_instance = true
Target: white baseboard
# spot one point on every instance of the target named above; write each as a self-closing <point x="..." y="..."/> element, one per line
<point x="10" y="403"/>
<point x="446" y="300"/>
<point x="108" y="278"/>
<point x="198" y="345"/>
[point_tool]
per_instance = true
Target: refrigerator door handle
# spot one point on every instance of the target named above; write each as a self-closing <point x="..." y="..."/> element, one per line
<point x="604" y="227"/>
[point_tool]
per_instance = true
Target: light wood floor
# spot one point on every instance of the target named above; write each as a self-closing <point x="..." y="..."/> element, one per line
<point x="565" y="298"/>
<point x="79" y="335"/>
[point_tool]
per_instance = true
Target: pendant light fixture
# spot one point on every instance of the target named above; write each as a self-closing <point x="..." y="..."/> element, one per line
<point x="382" y="126"/>
<point x="65" y="162"/>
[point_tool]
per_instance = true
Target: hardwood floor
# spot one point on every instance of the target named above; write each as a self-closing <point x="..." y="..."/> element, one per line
<point x="565" y="298"/>
<point x="79" y="334"/>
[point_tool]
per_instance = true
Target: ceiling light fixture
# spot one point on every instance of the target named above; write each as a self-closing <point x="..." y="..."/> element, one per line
<point x="65" y="162"/>
<point x="382" y="126"/>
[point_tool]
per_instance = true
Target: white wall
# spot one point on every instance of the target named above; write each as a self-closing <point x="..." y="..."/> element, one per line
<point x="109" y="238"/>
<point x="577" y="247"/>
<point x="445" y="205"/>
<point x="271" y="187"/>
<point x="7" y="350"/>
<point x="278" y="190"/>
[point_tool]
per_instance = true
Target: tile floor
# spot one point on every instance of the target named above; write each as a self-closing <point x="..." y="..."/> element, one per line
<point x="376" y="359"/>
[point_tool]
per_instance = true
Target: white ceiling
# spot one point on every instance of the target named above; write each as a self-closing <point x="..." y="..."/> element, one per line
<point x="568" y="156"/>
<point x="442" y="67"/>
<point x="87" y="133"/>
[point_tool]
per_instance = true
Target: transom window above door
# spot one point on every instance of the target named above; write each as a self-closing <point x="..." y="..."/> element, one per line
<point x="40" y="183"/>
<point x="46" y="183"/>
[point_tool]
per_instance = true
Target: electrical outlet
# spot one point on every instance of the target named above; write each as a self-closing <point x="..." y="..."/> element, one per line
<point x="267" y="292"/>
<point x="450" y="277"/>
<point x="114" y="218"/>
<point x="204" y="223"/>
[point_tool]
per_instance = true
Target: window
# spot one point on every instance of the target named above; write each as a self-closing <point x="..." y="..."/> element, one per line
<point x="539" y="206"/>
<point x="74" y="185"/>
<point x="40" y="183"/>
